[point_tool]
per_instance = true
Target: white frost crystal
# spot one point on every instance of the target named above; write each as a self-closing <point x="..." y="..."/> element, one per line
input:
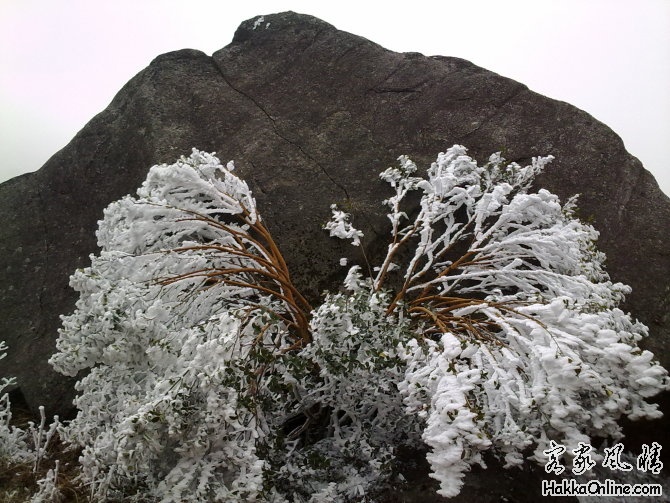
<point x="489" y="325"/>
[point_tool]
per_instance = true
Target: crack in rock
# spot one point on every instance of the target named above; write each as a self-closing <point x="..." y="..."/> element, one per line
<point x="276" y="130"/>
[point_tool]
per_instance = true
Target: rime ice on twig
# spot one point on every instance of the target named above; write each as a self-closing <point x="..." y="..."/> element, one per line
<point x="519" y="337"/>
<point x="208" y="377"/>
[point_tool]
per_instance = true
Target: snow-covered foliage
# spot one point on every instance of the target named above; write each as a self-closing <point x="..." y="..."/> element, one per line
<point x="13" y="441"/>
<point x="206" y="376"/>
<point x="20" y="446"/>
<point x="179" y="320"/>
<point x="48" y="490"/>
<point x="518" y="335"/>
<point x="346" y="379"/>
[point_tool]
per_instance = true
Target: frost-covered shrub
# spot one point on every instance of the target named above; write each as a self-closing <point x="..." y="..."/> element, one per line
<point x="13" y="440"/>
<point x="178" y="322"/>
<point x="206" y="376"/>
<point x="20" y="447"/>
<point x="348" y="399"/>
<point x="519" y="339"/>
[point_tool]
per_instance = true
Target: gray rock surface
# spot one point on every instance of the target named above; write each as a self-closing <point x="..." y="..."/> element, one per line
<point x="311" y="115"/>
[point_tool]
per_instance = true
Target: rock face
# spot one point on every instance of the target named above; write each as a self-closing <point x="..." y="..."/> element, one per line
<point x="311" y="115"/>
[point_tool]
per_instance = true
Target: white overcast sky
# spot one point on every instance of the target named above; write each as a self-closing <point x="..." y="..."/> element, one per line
<point x="62" y="61"/>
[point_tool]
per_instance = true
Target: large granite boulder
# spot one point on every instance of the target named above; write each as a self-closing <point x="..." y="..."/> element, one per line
<point x="311" y="115"/>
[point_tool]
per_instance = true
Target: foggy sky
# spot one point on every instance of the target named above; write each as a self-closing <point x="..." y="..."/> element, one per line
<point x="62" y="62"/>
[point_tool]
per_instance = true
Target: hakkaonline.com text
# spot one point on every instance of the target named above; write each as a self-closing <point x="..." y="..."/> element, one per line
<point x="608" y="487"/>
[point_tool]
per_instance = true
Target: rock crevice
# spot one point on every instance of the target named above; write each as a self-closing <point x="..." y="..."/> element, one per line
<point x="276" y="130"/>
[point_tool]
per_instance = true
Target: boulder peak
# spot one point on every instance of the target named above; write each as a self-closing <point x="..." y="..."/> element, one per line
<point x="298" y="25"/>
